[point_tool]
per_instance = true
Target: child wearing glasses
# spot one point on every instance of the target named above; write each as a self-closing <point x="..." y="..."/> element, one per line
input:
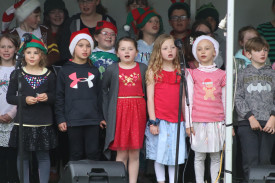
<point x="104" y="53"/>
<point x="179" y="19"/>
<point x="91" y="11"/>
<point x="147" y="23"/>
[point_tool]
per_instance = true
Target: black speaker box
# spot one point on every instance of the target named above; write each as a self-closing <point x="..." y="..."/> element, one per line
<point x="87" y="171"/>
<point x="262" y="174"/>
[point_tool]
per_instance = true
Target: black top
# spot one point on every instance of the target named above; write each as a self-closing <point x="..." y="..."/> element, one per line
<point x="36" y="114"/>
<point x="78" y="96"/>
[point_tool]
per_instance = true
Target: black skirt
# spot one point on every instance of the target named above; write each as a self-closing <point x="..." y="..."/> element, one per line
<point x="34" y="138"/>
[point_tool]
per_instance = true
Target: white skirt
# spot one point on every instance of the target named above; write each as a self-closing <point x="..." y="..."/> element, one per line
<point x="209" y="137"/>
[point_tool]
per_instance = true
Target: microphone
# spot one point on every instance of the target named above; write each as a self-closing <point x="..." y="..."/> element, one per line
<point x="27" y="37"/>
<point x="179" y="43"/>
<point x="127" y="29"/>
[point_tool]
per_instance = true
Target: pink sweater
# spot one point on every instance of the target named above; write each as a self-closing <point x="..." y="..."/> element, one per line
<point x="206" y="87"/>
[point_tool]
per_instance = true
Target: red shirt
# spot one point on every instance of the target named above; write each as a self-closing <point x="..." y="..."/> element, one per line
<point x="166" y="96"/>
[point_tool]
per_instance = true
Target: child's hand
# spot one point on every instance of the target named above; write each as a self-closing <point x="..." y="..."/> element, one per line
<point x="62" y="127"/>
<point x="43" y="97"/>
<point x="6" y="118"/>
<point x="31" y="100"/>
<point x="270" y="125"/>
<point x="254" y="123"/>
<point x="154" y="129"/>
<point x="189" y="131"/>
<point x="103" y="124"/>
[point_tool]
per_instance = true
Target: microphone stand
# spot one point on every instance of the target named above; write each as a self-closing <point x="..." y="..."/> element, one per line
<point x="19" y="58"/>
<point x="183" y="83"/>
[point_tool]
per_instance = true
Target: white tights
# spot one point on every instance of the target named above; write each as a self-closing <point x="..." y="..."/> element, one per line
<point x="199" y="166"/>
<point x="160" y="172"/>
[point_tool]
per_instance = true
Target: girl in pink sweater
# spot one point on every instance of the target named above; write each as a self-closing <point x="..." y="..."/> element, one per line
<point x="205" y="122"/>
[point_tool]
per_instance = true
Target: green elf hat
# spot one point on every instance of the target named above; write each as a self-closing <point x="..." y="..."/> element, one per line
<point x="36" y="43"/>
<point x="138" y="17"/>
<point x="208" y="10"/>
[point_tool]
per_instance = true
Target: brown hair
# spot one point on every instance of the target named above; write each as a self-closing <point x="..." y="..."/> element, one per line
<point x="126" y="39"/>
<point x="245" y="29"/>
<point x="15" y="41"/>
<point x="156" y="60"/>
<point x="43" y="58"/>
<point x="143" y="2"/>
<point x="256" y="44"/>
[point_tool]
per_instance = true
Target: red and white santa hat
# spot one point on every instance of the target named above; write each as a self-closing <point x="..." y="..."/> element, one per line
<point x="23" y="11"/>
<point x="8" y="15"/>
<point x="196" y="42"/>
<point x="77" y="36"/>
<point x="207" y="81"/>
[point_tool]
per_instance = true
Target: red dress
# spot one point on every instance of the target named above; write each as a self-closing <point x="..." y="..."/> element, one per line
<point x="131" y="111"/>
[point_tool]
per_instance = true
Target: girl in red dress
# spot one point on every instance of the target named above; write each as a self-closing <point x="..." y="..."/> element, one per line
<point x="125" y="107"/>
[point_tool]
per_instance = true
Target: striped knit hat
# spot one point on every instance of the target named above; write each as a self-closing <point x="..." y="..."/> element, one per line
<point x="138" y="17"/>
<point x="8" y="15"/>
<point x="36" y="43"/>
<point x="26" y="9"/>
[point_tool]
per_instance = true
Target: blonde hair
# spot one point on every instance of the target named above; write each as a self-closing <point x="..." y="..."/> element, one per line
<point x="156" y="60"/>
<point x="43" y="58"/>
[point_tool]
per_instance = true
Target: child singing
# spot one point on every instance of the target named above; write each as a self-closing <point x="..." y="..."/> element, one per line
<point x="205" y="123"/>
<point x="163" y="85"/>
<point x="125" y="107"/>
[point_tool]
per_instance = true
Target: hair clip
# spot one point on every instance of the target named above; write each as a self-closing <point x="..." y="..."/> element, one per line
<point x="191" y="40"/>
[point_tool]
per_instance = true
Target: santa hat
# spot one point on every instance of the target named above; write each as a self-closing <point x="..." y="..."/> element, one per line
<point x="105" y="24"/>
<point x="138" y="17"/>
<point x="207" y="82"/>
<point x="208" y="10"/>
<point x="178" y="5"/>
<point x="77" y="36"/>
<point x="8" y="15"/>
<point x="203" y="37"/>
<point x="36" y="43"/>
<point x="26" y="9"/>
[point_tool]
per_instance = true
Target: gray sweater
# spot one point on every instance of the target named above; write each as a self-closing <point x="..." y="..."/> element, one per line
<point x="255" y="93"/>
<point x="110" y="86"/>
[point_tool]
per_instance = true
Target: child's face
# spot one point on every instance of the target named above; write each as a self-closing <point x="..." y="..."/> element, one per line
<point x="179" y="21"/>
<point x="33" y="20"/>
<point x="258" y="57"/>
<point x="56" y="17"/>
<point x="205" y="52"/>
<point x="136" y="4"/>
<point x="247" y="35"/>
<point x="82" y="50"/>
<point x="212" y="22"/>
<point x="126" y="51"/>
<point x="168" y="50"/>
<point x="204" y="28"/>
<point x="106" y="39"/>
<point x="7" y="50"/>
<point x="152" y="26"/>
<point x="32" y="56"/>
<point x="87" y="7"/>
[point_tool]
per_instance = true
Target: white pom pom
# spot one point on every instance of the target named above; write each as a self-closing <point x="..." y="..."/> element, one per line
<point x="126" y="27"/>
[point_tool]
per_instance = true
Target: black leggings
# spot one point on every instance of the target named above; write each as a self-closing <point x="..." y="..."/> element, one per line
<point x="83" y="142"/>
<point x="8" y="170"/>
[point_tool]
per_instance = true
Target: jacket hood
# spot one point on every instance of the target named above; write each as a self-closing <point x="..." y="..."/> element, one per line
<point x="240" y="55"/>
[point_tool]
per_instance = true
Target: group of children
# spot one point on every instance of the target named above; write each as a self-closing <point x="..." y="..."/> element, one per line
<point x="131" y="88"/>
